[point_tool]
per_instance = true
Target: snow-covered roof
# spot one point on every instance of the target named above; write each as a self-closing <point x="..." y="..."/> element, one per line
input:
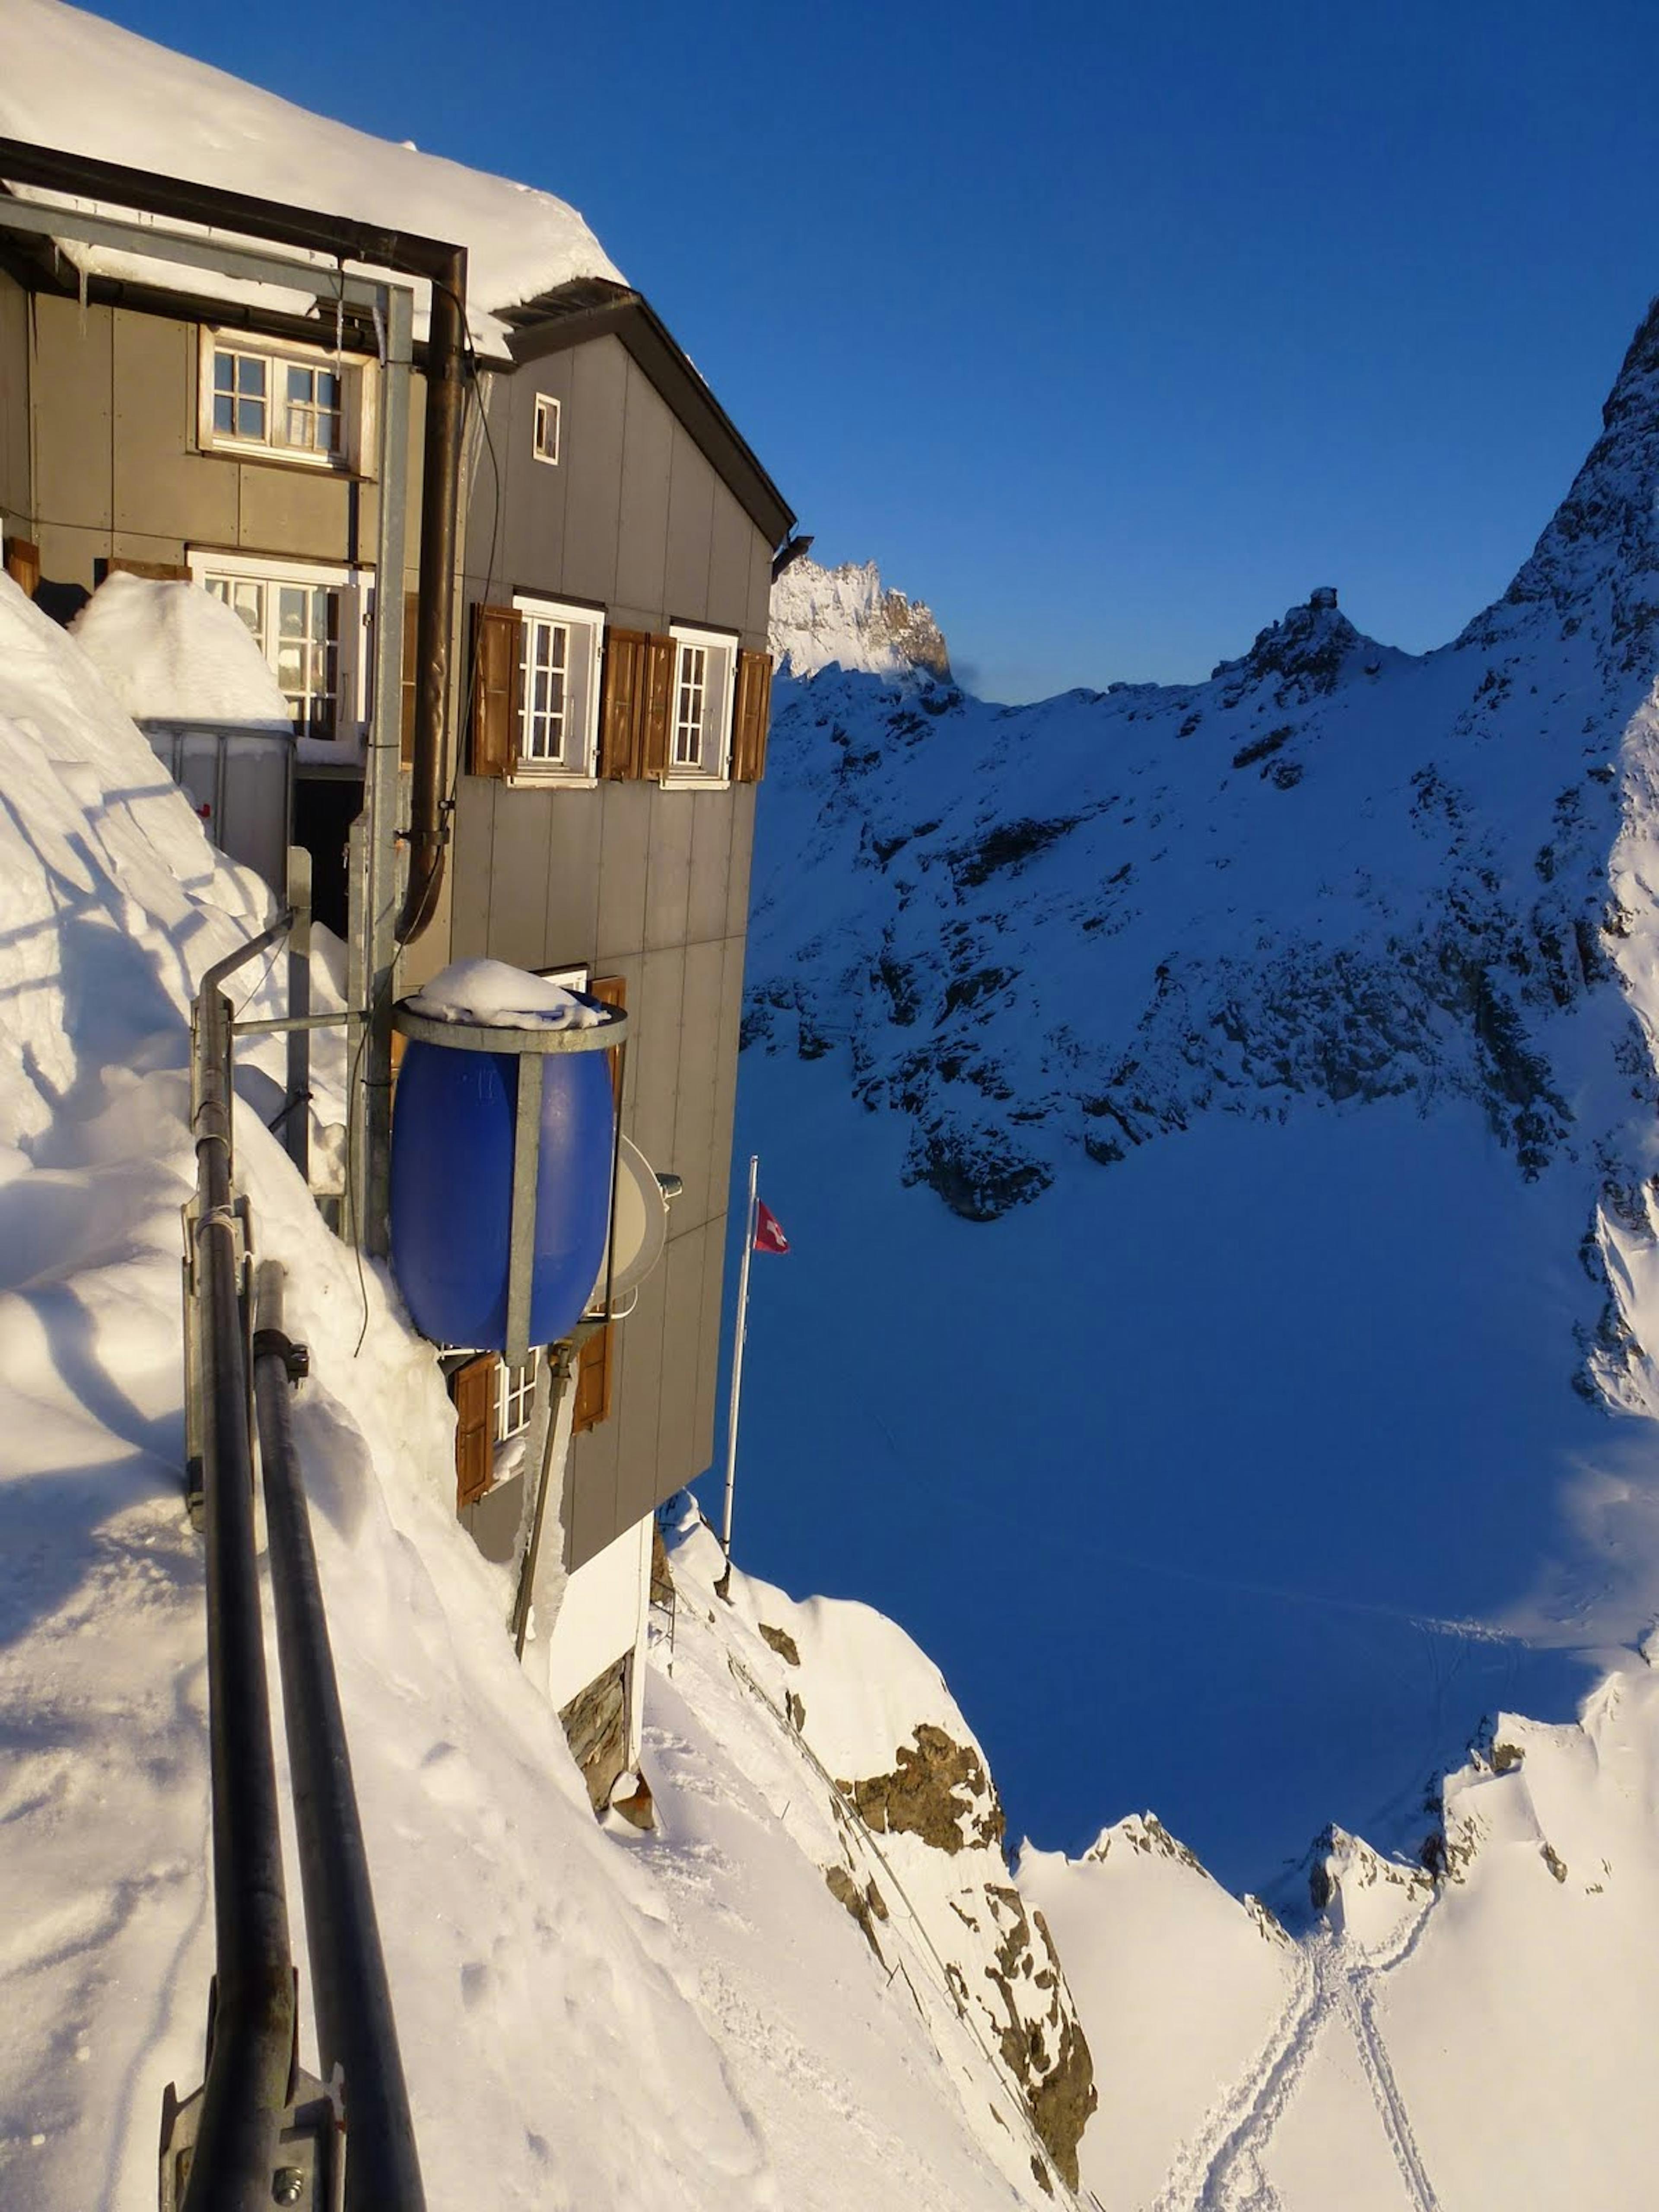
<point x="71" y="81"/>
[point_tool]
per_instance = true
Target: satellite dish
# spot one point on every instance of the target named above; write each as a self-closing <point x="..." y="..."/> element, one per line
<point x="641" y="1226"/>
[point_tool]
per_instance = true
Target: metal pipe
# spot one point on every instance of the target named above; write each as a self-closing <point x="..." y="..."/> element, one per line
<point x="440" y="513"/>
<point x="444" y="267"/>
<point x="558" y="1383"/>
<point x="355" y="2025"/>
<point x="723" y="1587"/>
<point x="250" y="2055"/>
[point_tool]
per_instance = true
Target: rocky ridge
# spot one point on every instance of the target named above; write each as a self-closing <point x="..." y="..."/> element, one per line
<point x="844" y="617"/>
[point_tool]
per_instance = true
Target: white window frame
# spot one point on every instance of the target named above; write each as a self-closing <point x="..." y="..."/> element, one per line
<point x="713" y="766"/>
<point x="515" y="1391"/>
<point x="548" y="413"/>
<point x="356" y="589"/>
<point x="358" y="401"/>
<point x="584" y="628"/>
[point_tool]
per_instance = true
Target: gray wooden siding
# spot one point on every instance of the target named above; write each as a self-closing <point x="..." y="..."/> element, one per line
<point x="16" y="500"/>
<point x="117" y="470"/>
<point x="651" y="885"/>
<point x="632" y="518"/>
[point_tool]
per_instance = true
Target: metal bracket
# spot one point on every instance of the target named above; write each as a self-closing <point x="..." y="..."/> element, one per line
<point x="308" y="2170"/>
<point x="295" y="1358"/>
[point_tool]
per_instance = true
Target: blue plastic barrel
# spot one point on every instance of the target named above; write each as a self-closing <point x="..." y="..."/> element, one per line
<point x="452" y="1190"/>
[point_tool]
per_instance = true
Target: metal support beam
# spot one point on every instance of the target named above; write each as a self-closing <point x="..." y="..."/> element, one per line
<point x="521" y="1249"/>
<point x="382" y="796"/>
<point x="351" y="1998"/>
<point x="297" y="1134"/>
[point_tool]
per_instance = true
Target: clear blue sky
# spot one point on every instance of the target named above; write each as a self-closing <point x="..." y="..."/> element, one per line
<point x="1108" y="330"/>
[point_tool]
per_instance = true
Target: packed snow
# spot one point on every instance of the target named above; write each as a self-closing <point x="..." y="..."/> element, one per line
<point x="72" y="80"/>
<point x="493" y="995"/>
<point x="171" y="652"/>
<point x="691" y="2018"/>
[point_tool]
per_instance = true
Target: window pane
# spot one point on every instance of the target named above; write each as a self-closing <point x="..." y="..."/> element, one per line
<point x="224" y="372"/>
<point x="250" y="419"/>
<point x="328" y="388"/>
<point x="299" y="383"/>
<point x="249" y="375"/>
<point x="224" y="412"/>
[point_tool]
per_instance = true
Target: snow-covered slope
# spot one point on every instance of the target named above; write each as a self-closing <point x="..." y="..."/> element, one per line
<point x="692" y="2018"/>
<point x="73" y="81"/>
<point x="842" y="618"/>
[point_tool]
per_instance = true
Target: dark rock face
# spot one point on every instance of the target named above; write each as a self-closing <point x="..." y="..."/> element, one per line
<point x="1043" y="2046"/>
<point x="866" y="1906"/>
<point x="781" y="1642"/>
<point x="938" y="1790"/>
<point x="595" y="1728"/>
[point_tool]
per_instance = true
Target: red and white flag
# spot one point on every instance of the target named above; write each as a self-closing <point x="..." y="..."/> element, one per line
<point x="769" y="1236"/>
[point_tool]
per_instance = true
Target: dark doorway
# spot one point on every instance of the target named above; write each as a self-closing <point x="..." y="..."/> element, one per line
<point x="324" y="808"/>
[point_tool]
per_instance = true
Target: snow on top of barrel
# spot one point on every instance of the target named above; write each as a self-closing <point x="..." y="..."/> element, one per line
<point x="73" y="81"/>
<point x="490" y="994"/>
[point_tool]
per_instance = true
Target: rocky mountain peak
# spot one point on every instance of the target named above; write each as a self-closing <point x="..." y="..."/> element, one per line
<point x="1303" y="656"/>
<point x="845" y="616"/>
<point x="1596" y="565"/>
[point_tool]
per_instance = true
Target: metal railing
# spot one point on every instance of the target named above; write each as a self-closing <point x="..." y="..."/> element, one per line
<point x="261" y="2130"/>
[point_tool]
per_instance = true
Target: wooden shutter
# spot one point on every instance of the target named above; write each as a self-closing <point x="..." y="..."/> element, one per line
<point x="753" y="712"/>
<point x="592" y="1382"/>
<point x="473" y="1389"/>
<point x="622" y="703"/>
<point x="497" y="699"/>
<point x="661" y="655"/>
<point x="159" y="572"/>
<point x="412" y="615"/>
<point x="612" y="991"/>
<point x="23" y="564"/>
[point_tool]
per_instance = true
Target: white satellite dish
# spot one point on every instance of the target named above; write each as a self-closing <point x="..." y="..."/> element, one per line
<point x="641" y="1220"/>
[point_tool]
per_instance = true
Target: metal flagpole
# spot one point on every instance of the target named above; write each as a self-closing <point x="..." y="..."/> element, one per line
<point x="723" y="1587"/>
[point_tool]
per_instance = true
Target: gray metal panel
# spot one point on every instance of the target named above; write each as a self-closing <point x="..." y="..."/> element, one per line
<point x="642" y="536"/>
<point x="493" y="1522"/>
<point x="303" y="511"/>
<point x="695" y="1092"/>
<point x="162" y="487"/>
<point x="760" y="594"/>
<point x="726" y="1076"/>
<point x="73" y="432"/>
<point x="16" y="497"/>
<point x="589" y="1508"/>
<point x="626" y="840"/>
<point x="691" y="496"/>
<point x="708" y="1345"/>
<point x="518" y="878"/>
<point x="733" y="538"/>
<point x="743" y="848"/>
<point x="711" y="861"/>
<point x="475" y="835"/>
<point x="641" y="1478"/>
<point x="592" y="487"/>
<point x="573" y="877"/>
<point x="653" y="1053"/>
<point x="534" y="542"/>
<point x="668" y="868"/>
<point x="683" y="1271"/>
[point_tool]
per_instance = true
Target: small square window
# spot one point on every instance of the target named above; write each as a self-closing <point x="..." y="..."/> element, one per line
<point x="547" y="429"/>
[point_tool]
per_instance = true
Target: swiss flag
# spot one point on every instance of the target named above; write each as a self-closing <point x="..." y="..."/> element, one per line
<point x="769" y="1236"/>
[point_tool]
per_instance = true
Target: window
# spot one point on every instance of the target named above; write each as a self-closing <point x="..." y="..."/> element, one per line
<point x="293" y="403"/>
<point x="558" y="689"/>
<point x="700" y="711"/>
<point x="305" y="620"/>
<point x="515" y="1393"/>
<point x="547" y="429"/>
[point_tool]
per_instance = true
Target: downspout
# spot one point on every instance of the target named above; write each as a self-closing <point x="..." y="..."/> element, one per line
<point x="444" y="267"/>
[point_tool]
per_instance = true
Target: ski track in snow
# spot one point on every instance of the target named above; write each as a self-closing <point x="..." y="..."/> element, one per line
<point x="1220" y="2169"/>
